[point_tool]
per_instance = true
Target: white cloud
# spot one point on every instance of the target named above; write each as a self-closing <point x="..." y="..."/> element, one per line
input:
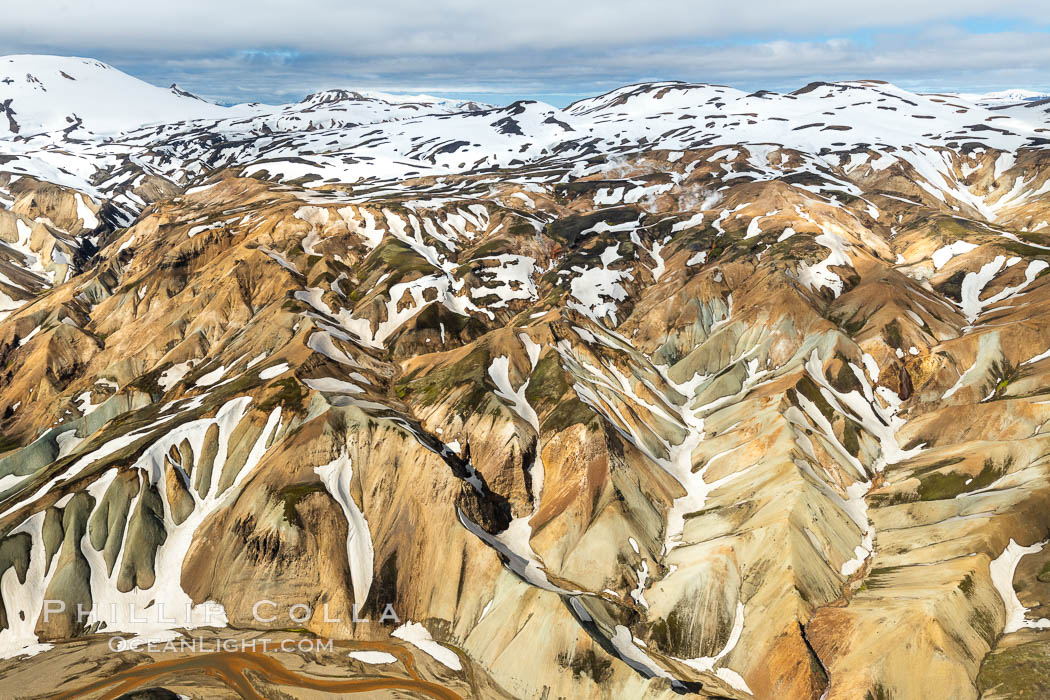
<point x="398" y="27"/>
<point x="238" y="50"/>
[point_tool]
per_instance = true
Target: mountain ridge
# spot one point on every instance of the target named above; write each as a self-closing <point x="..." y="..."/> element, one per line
<point x="56" y="64"/>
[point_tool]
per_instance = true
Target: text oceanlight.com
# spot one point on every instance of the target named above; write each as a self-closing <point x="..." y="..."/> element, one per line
<point x="194" y="645"/>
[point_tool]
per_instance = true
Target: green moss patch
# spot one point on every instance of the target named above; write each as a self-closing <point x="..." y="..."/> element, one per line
<point x="292" y="496"/>
<point x="1022" y="671"/>
<point x="547" y="385"/>
<point x="8" y="443"/>
<point x="286" y="393"/>
<point x="568" y="230"/>
<point x="937" y="486"/>
<point x="471" y="372"/>
<point x="568" y="413"/>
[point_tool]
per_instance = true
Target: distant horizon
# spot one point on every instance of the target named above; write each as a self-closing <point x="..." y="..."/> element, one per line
<point x="555" y="99"/>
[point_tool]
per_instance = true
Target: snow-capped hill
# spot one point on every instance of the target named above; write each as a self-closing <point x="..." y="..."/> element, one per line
<point x="328" y="97"/>
<point x="403" y="105"/>
<point x="822" y="116"/>
<point x="430" y="101"/>
<point x="653" y="96"/>
<point x="52" y="93"/>
<point x="1004" y="97"/>
<point x="328" y="110"/>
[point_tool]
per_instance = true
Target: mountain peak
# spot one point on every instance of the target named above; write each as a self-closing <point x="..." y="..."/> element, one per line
<point x="176" y="90"/>
<point x="45" y="93"/>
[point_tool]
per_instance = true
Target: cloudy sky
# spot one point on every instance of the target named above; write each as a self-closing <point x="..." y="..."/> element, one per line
<point x="553" y="50"/>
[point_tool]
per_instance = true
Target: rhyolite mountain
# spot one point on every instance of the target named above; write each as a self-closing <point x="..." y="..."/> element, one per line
<point x="676" y="390"/>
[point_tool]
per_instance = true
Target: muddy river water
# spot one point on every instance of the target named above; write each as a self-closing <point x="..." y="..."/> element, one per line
<point x="230" y="668"/>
